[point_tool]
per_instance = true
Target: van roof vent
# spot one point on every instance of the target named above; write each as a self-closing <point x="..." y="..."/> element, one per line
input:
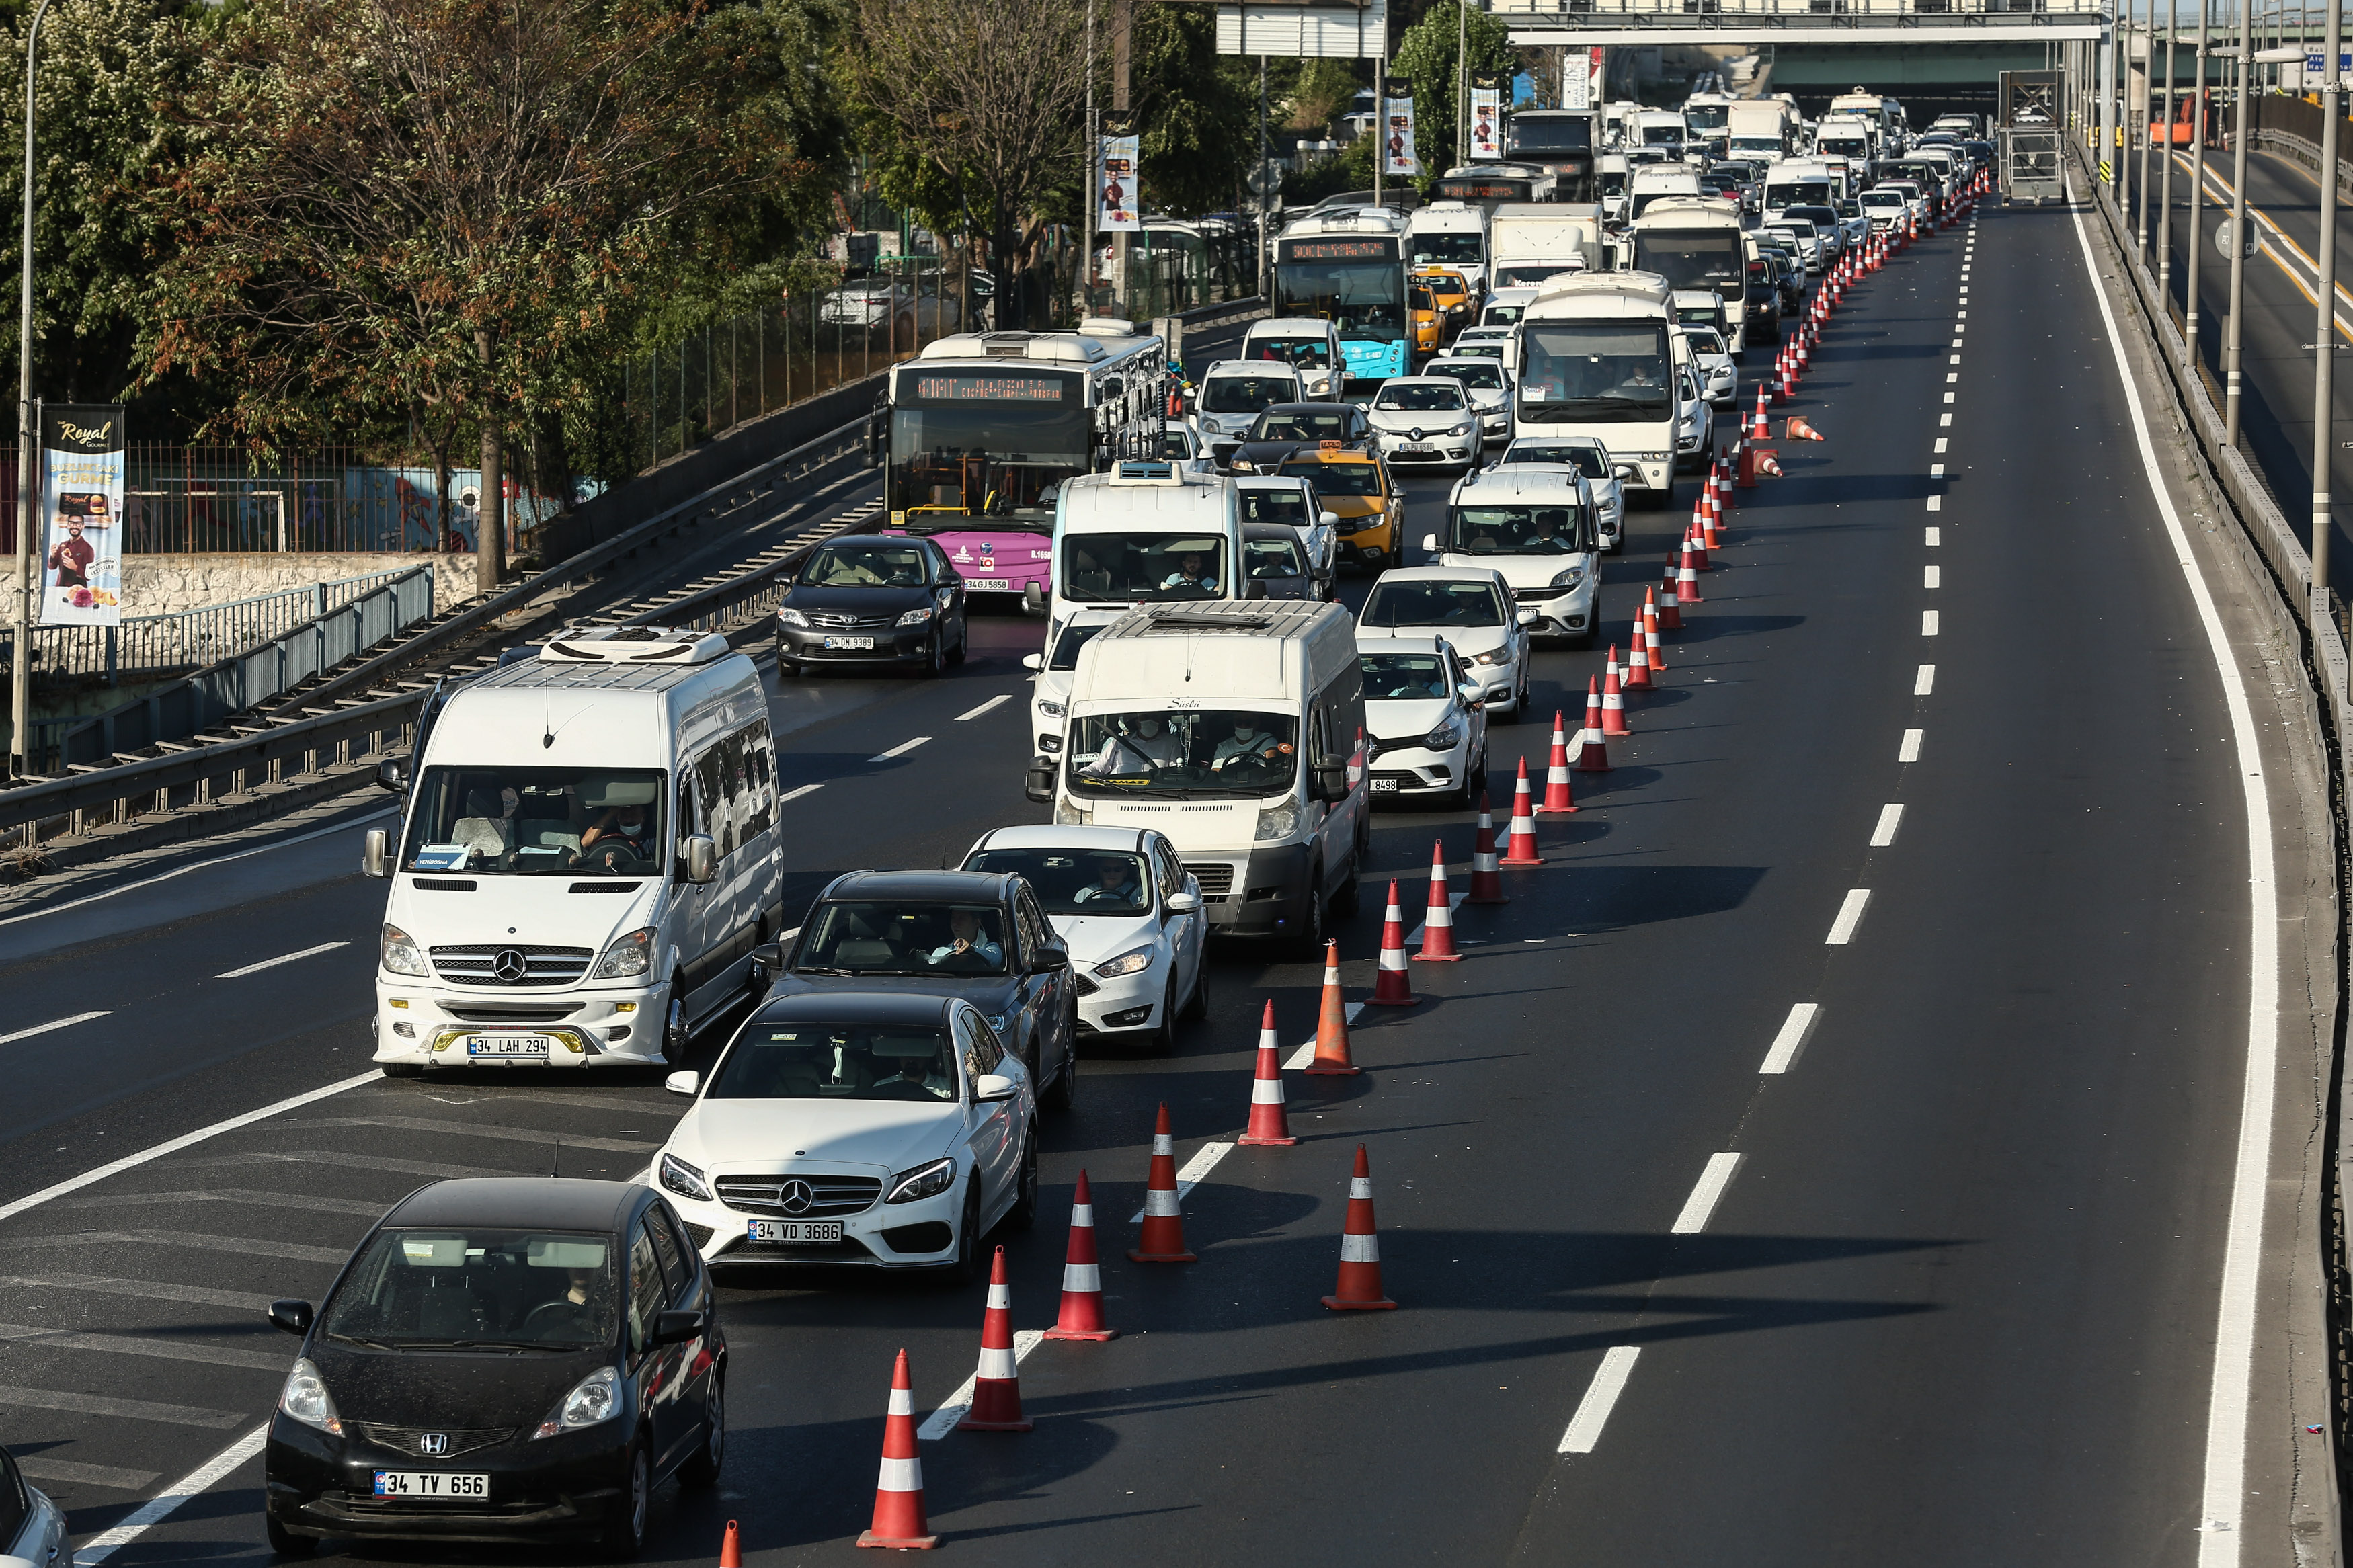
<point x="1146" y="473"/>
<point x="633" y="644"/>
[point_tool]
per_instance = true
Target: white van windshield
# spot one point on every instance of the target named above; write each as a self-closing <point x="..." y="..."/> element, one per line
<point x="1192" y="751"/>
<point x="1245" y="394"/>
<point x="1515" y="530"/>
<point x="1126" y="568"/>
<point x="537" y="821"/>
<point x="1307" y="354"/>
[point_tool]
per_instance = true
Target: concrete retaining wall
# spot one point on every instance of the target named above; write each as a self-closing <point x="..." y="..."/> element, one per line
<point x="166" y="585"/>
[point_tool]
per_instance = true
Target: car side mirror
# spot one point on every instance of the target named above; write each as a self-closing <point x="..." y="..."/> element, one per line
<point x="679" y="1325"/>
<point x="1328" y="519"/>
<point x="1625" y="472"/>
<point x="768" y="958"/>
<point x="388" y="775"/>
<point x="1033" y="662"/>
<point x="685" y="1082"/>
<point x="1528" y="618"/>
<point x="702" y="857"/>
<point x="293" y="1317"/>
<point x="1182" y="904"/>
<point x="991" y="1087"/>
<point x="1050" y="957"/>
<point x="1472" y="696"/>
<point x="375" y="853"/>
<point x="1038" y="783"/>
<point x="1429" y="542"/>
<point x="1332" y="781"/>
<point x="1033" y="600"/>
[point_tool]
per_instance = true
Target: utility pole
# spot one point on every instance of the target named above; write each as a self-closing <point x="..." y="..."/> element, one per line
<point x="1265" y="187"/>
<point x="1462" y="82"/>
<point x="1380" y="126"/>
<point x="2106" y="81"/>
<point x="28" y="453"/>
<point x="1123" y="38"/>
<point x="2165" y="190"/>
<point x="2324" y="337"/>
<point x="2238" y="223"/>
<point x="1095" y="182"/>
<point x="2196" y="184"/>
<point x="2147" y="139"/>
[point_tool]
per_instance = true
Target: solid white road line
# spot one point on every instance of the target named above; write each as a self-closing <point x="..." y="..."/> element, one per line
<point x="1927" y="622"/>
<point x="901" y="749"/>
<point x="804" y="789"/>
<point x="281" y="958"/>
<point x="1935" y="537"/>
<point x="55" y="1023"/>
<point x="1932" y="577"/>
<point x="1925" y="682"/>
<point x="47" y="910"/>
<point x="943" y="1420"/>
<point x="2223" y="1509"/>
<point x="1000" y="698"/>
<point x="195" y="1483"/>
<point x="1909" y="751"/>
<point x="1849" y="916"/>
<point x="1453" y="901"/>
<point x="1306" y="1053"/>
<point x="1792" y="1037"/>
<point x="1600" y="1398"/>
<point x="1884" y="834"/>
<point x="1192" y="1173"/>
<point x="1706" y="1196"/>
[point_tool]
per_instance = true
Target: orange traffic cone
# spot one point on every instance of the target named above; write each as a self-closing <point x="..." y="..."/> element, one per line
<point x="1613" y="699"/>
<point x="1695" y="551"/>
<point x="899" y="1493"/>
<point x="1711" y="519"/>
<point x="1765" y="465"/>
<point x="1761" y="429"/>
<point x="1359" y="1287"/>
<point x="1438" y="919"/>
<point x="1270" y="1124"/>
<point x="1163" y="1240"/>
<point x="1522" y="850"/>
<point x="1486" y="881"/>
<point x="1391" y="986"/>
<point x="1557" y="793"/>
<point x="730" y="1548"/>
<point x="1800" y="431"/>
<point x="1638" y="660"/>
<point x="1663" y="611"/>
<point x="1651" y="642"/>
<point x="1332" y="1055"/>
<point x="997" y="1386"/>
<point x="1082" y="1314"/>
<point x="1592" y="750"/>
<point x="1687" y="581"/>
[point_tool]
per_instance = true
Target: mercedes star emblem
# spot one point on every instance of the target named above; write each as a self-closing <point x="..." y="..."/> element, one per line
<point x="508" y="964"/>
<point x="796" y="1196"/>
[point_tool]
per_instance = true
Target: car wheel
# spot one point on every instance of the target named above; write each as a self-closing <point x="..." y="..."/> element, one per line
<point x="935" y="658"/>
<point x="963" y="644"/>
<point x="1164" y="1038"/>
<point x="1063" y="1092"/>
<point x="284" y="1542"/>
<point x="1309" y="939"/>
<point x="1349" y="902"/>
<point x="1479" y="777"/>
<point x="403" y="1069"/>
<point x="625" y="1533"/>
<point x="965" y="1270"/>
<point x="1024" y="1211"/>
<point x="1198" y="1007"/>
<point x="702" y="1467"/>
<point x="675" y="1033"/>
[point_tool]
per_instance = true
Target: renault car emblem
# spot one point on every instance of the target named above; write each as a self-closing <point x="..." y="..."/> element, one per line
<point x="508" y="964"/>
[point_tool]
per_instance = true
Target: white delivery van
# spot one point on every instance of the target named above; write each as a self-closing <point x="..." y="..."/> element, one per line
<point x="1449" y="234"/>
<point x="1610" y="186"/>
<point x="588" y="855"/>
<point x="1529" y="242"/>
<point x="1598" y="355"/>
<point x="1141" y="533"/>
<point x="1652" y="181"/>
<point x="1763" y="128"/>
<point x="1309" y="344"/>
<point x="1235" y="730"/>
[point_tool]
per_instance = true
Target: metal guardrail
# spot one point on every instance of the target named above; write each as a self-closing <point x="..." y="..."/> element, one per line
<point x="1798" y="14"/>
<point x="185" y="638"/>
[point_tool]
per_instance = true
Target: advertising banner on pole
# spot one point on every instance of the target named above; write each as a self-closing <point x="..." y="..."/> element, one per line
<point x="1486" y="124"/>
<point x="1118" y="204"/>
<point x="1397" y="139"/>
<point x="1575" y="80"/>
<point x="81" y="504"/>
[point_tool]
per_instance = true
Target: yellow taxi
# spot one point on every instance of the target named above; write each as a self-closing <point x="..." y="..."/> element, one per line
<point x="1428" y="320"/>
<point x="1354" y="485"/>
<point x="1450" y="291"/>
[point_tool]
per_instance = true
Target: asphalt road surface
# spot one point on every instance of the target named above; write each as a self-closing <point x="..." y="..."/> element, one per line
<point x="1688" y="1273"/>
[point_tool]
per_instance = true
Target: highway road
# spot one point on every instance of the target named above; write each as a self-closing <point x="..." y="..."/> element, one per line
<point x="1831" y="1153"/>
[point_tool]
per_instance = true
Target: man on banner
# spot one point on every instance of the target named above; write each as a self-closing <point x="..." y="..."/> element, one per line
<point x="1485" y="145"/>
<point x="1398" y="150"/>
<point x="81" y="502"/>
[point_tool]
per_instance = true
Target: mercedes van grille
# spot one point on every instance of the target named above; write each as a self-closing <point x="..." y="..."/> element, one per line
<point x="497" y="1015"/>
<point x="1216" y="876"/>
<point x="808" y="1198"/>
<point x="512" y="963"/>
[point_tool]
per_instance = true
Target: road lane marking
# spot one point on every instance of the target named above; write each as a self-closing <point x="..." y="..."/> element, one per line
<point x="1962" y="317"/>
<point x="200" y="866"/>
<point x="1600" y="1398"/>
<point x="1909" y="751"/>
<point x="1706" y="1196"/>
<point x="1453" y="901"/>
<point x="1001" y="697"/>
<point x="122" y="1409"/>
<point x="1792" y="1037"/>
<point x="54" y="1023"/>
<point x="146" y="1289"/>
<point x="2222" y="1507"/>
<point x="281" y="958"/>
<point x="1946" y="419"/>
<point x="307" y="1202"/>
<point x="1948" y="397"/>
<point x="1932" y="577"/>
<point x="491" y="1130"/>
<point x="162" y="1506"/>
<point x="1935" y="503"/>
<point x="120" y="1479"/>
<point x="1940" y="442"/>
<point x="1306" y="1053"/>
<point x="943" y="1420"/>
<point x="133" y="1345"/>
<point x="1936" y="470"/>
<point x="1884" y="834"/>
<point x="234" y="1245"/>
<point x="1936" y="536"/>
<point x="1957" y="358"/>
<point x="1849" y="916"/>
<point x="792" y="794"/>
<point x="1927" y="622"/>
<point x="1193" y="1172"/>
<point x="901" y="749"/>
<point x="1925" y="681"/>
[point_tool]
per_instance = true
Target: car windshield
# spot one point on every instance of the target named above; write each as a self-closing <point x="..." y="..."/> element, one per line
<point x="1126" y="568"/>
<point x="1077" y="881"/>
<point x="1301" y="424"/>
<point x="1439" y="602"/>
<point x="1307" y="354"/>
<point x="1485" y="376"/>
<point x="1585" y="460"/>
<point x="1479" y="351"/>
<point x="1882" y="199"/>
<point x="1176" y="446"/>
<point x="1403" y="676"/>
<point x="903" y="936"/>
<point x="1338" y="478"/>
<point x="1274" y="558"/>
<point x="837" y="1061"/>
<point x="1286" y="506"/>
<point x="1514" y="530"/>
<point x="1418" y="396"/>
<point x="1501" y="315"/>
<point x="1066" y="647"/>
<point x="1446" y="248"/>
<point x="1595" y="371"/>
<point x="1194" y="750"/>
<point x="1245" y="394"/>
<point x="1704" y="341"/>
<point x="460" y="1288"/>
<point x="571" y="822"/>
<point x="1812" y="214"/>
<point x="863" y="566"/>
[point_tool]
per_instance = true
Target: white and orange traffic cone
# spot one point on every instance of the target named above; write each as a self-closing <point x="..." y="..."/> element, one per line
<point x="1667" y="579"/>
<point x="1593" y="748"/>
<point x="1522" y="848"/>
<point x="1359" y="1286"/>
<point x="1687" y="581"/>
<point x="1638" y="660"/>
<point x="1800" y="431"/>
<point x="1651" y="642"/>
<point x="1163" y="1238"/>
<point x="1391" y="988"/>
<point x="1332" y="1056"/>
<point x="1486" y="879"/>
<point x="899" y="1523"/>
<point x="1762" y="427"/>
<point x="1697" y="551"/>
<point x="1438" y="919"/>
<point x="1557" y="792"/>
<point x="731" y="1547"/>
<point x="1661" y="612"/>
<point x="1613" y="700"/>
<point x="997" y="1386"/>
<point x="1082" y="1304"/>
<point x="1270" y="1121"/>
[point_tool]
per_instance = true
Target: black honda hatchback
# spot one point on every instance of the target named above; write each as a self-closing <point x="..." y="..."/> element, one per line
<point x="501" y="1359"/>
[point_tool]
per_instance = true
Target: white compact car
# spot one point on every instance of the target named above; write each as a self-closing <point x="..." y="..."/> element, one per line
<point x="1426" y="419"/>
<point x="1505" y="306"/>
<point x="1233" y="392"/>
<point x="1801" y="238"/>
<point x="1291" y="500"/>
<point x="1694" y="423"/>
<point x="1604" y="476"/>
<point x="886" y="1130"/>
<point x="1471" y="608"/>
<point x="1129" y="912"/>
<point x="1050" y="684"/>
<point x="1720" y="375"/>
<point x="1498" y="332"/>
<point x="1534" y="525"/>
<point x="1488" y="385"/>
<point x="1425" y="728"/>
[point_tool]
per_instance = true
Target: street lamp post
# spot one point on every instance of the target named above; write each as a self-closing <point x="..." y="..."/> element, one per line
<point x="2197" y="185"/>
<point x="20" y="681"/>
<point x="2164" y="184"/>
<point x="2324" y="335"/>
<point x="2238" y="225"/>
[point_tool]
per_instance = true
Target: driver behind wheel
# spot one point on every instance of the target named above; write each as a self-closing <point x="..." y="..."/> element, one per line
<point x="630" y="827"/>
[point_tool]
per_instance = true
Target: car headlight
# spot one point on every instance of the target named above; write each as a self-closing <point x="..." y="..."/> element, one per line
<point x="1049" y="709"/>
<point x="1464" y="428"/>
<point x="630" y="954"/>
<point x="923" y="1182"/>
<point x="305" y="1398"/>
<point x="1275" y="822"/>
<point x="684" y="1180"/>
<point x="1125" y="964"/>
<point x="1496" y="656"/>
<point x="998" y="1021"/>
<point x="788" y="617"/>
<point x="1570" y="578"/>
<point x="594" y="1399"/>
<point x="916" y="617"/>
<point x="401" y="955"/>
<point x="1446" y="737"/>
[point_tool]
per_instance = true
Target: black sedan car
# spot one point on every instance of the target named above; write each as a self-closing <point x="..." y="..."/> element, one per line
<point x="977" y="935"/>
<point x="1283" y="429"/>
<point x="502" y="1359"/>
<point x="873" y="601"/>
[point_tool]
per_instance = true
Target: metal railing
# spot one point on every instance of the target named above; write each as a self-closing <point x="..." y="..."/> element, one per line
<point x="149" y="645"/>
<point x="1797" y="13"/>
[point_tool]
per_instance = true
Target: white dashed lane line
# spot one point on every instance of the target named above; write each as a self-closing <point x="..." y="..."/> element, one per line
<point x="796" y="794"/>
<point x="943" y="1420"/>
<point x="1786" y="1045"/>
<point x="281" y="958"/>
<point x="901" y="749"/>
<point x="1932" y="577"/>
<point x="1193" y="1171"/>
<point x="1935" y="503"/>
<point x="1306" y="1053"/>
<point x="1936" y="536"/>
<point x="1940" y="442"/>
<point x="1909" y="751"/>
<point x="1884" y="834"/>
<point x="1849" y="916"/>
<point x="1001" y="697"/>
<point x="1600" y="1398"/>
<point x="1927" y="622"/>
<point x="27" y="1034"/>
<point x="1706" y="1196"/>
<point x="1925" y="681"/>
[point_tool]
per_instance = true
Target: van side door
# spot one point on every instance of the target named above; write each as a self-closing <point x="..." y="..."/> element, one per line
<point x="694" y="908"/>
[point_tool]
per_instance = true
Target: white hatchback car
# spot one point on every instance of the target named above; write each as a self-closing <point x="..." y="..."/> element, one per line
<point x="1534" y="525"/>
<point x="1590" y="455"/>
<point x="1488" y="385"/>
<point x="1471" y="608"/>
<point x="1425" y="730"/>
<point x="1721" y="377"/>
<point x="884" y="1130"/>
<point x="1129" y="912"/>
<point x="1426" y="419"/>
<point x="1051" y="672"/>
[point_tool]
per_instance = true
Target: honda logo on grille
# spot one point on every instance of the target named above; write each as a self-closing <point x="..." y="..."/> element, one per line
<point x="508" y="964"/>
<point x="796" y="1196"/>
<point x="430" y="1443"/>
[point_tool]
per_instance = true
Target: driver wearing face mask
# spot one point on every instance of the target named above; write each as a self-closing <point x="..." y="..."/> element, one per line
<point x="1149" y="737"/>
<point x="629" y="825"/>
<point x="1248" y="741"/>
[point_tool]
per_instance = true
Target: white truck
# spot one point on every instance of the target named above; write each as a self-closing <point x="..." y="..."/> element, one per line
<point x="1847" y="136"/>
<point x="1652" y="181"/>
<point x="1698" y="243"/>
<point x="1803" y="181"/>
<point x="1449" y="234"/>
<point x="1598" y="355"/>
<point x="1763" y="128"/>
<point x="1871" y="109"/>
<point x="1529" y="242"/>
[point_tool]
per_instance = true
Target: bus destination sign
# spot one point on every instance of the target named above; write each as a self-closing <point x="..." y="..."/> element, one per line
<point x="1462" y="190"/>
<point x="992" y="388"/>
<point x="1339" y="250"/>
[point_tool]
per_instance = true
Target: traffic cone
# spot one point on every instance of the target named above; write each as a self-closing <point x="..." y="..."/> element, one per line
<point x="1687" y="580"/>
<point x="1359" y="1287"/>
<point x="1697" y="551"/>
<point x="1762" y="427"/>
<point x="997" y="1386"/>
<point x="1522" y="850"/>
<point x="1270" y="1124"/>
<point x="730" y="1548"/>
<point x="1663" y="612"/>
<point x="1486" y="879"/>
<point x="1163" y="1238"/>
<point x="1708" y="537"/>
<point x="1801" y="431"/>
<point x="1651" y="640"/>
<point x="1767" y="465"/>
<point x="1592" y="747"/>
<point x="899" y="1492"/>
<point x="1556" y="796"/>
<point x="1332" y="1058"/>
<point x="1391" y="986"/>
<point x="1082" y="1314"/>
<point x="1438" y="919"/>
<point x="1613" y="700"/>
<point x="1779" y="383"/>
<point x="1638" y="659"/>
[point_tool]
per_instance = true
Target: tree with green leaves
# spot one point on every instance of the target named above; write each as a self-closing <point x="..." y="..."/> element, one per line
<point x="1427" y="55"/>
<point x="1196" y="112"/>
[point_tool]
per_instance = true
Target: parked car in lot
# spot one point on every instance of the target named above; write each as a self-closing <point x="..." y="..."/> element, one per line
<point x="1425" y="728"/>
<point x="1129" y="912"/>
<point x="869" y="602"/>
<point x="502" y="1359"/>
